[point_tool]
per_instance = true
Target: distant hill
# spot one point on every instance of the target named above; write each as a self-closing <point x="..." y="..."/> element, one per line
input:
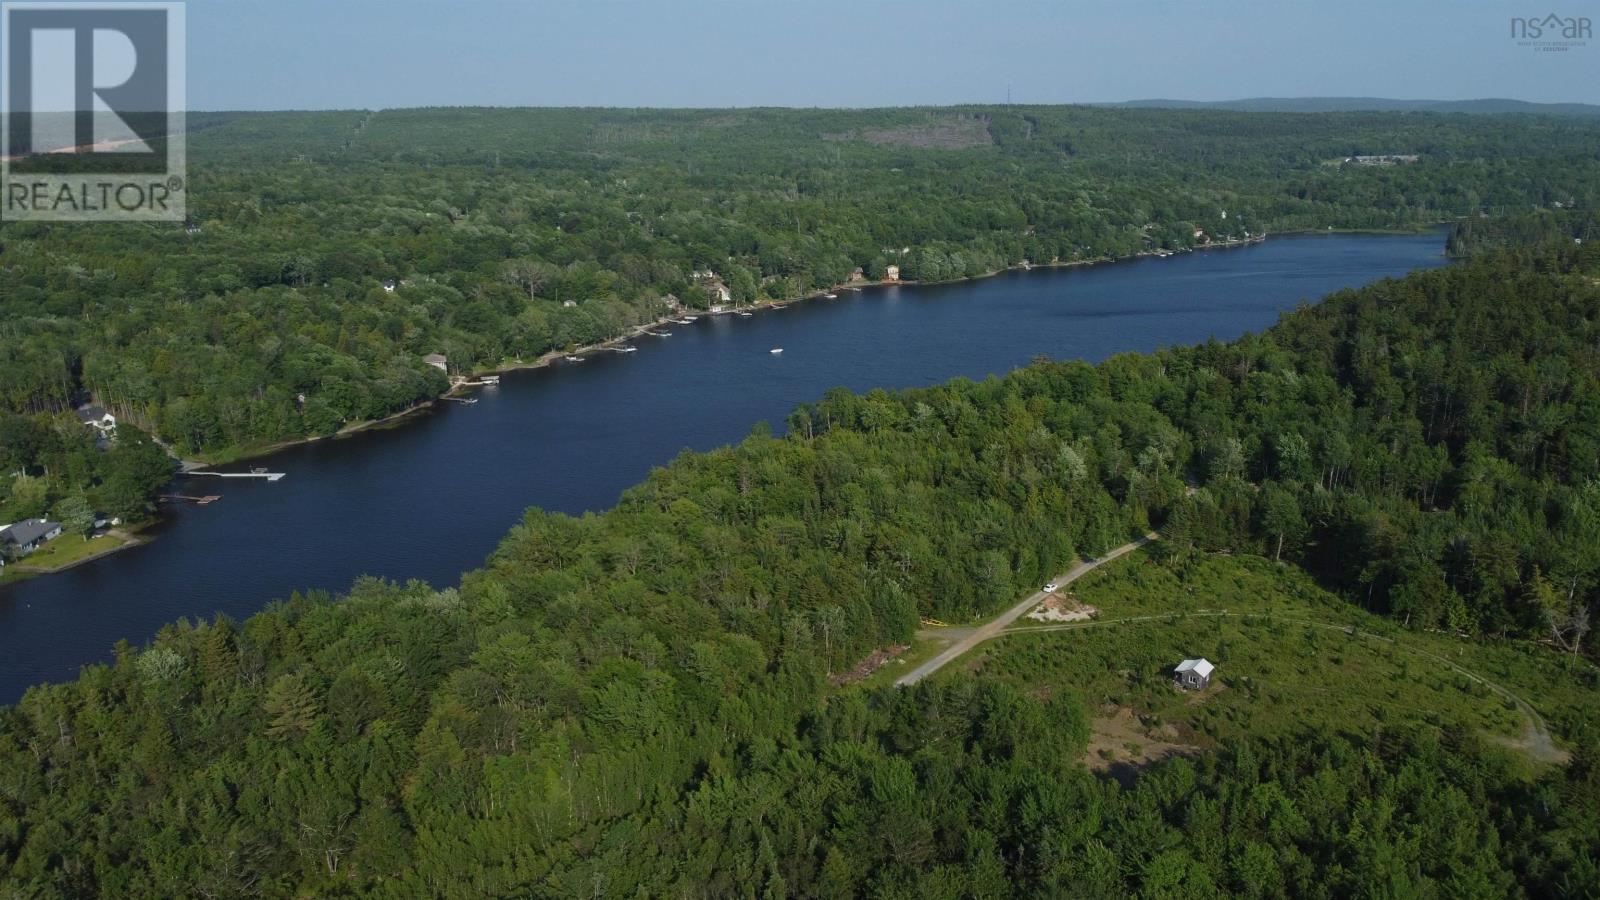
<point x="1370" y="104"/>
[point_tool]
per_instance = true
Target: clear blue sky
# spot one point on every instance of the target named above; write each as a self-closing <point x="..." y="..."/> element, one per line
<point x="277" y="54"/>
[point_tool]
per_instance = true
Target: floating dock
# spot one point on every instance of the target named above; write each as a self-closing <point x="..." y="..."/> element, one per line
<point x="253" y="473"/>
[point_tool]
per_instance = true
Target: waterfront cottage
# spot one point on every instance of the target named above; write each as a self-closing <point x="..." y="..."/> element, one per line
<point x="438" y="361"/>
<point x="1193" y="674"/>
<point x="891" y="274"/>
<point x="25" y="537"/>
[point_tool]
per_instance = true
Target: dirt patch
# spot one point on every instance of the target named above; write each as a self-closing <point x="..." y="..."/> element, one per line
<point x="875" y="660"/>
<point x="1122" y="741"/>
<point x="1536" y="744"/>
<point x="1057" y="608"/>
<point x="947" y="134"/>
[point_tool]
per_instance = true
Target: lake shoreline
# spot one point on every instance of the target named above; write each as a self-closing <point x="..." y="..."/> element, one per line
<point x="128" y="536"/>
<point x="431" y="501"/>
<point x="546" y="359"/>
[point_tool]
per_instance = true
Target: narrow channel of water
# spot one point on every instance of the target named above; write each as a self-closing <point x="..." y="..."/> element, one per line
<point x="431" y="498"/>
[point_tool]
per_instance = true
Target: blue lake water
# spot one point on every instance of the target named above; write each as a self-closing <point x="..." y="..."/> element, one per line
<point x="431" y="498"/>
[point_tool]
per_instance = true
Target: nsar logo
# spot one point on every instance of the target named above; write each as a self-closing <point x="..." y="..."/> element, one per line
<point x="1552" y="33"/>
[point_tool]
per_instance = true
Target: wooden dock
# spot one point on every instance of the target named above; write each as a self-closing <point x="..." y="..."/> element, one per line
<point x="253" y="473"/>
<point x="199" y="501"/>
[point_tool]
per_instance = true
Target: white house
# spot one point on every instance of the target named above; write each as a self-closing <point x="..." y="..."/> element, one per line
<point x="438" y="361"/>
<point x="1193" y="674"/>
<point x="97" y="418"/>
<point x="892" y="273"/>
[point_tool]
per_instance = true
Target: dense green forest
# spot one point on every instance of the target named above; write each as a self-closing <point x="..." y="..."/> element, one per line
<point x="510" y="233"/>
<point x="636" y="702"/>
<point x="54" y="466"/>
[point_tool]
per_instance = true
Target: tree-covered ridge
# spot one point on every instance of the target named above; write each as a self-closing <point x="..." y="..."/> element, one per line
<point x="515" y="232"/>
<point x="636" y="701"/>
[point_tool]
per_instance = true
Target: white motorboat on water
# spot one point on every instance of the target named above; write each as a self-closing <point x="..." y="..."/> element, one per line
<point x="775" y="350"/>
<point x="831" y="296"/>
<point x="573" y="358"/>
<point x="626" y="349"/>
<point x="746" y="315"/>
<point x="691" y="318"/>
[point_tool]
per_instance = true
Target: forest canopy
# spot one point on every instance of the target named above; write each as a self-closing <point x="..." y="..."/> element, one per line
<point x="511" y="233"/>
<point x="636" y="702"/>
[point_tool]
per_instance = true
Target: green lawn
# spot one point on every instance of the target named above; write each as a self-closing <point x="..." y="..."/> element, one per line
<point x="62" y="551"/>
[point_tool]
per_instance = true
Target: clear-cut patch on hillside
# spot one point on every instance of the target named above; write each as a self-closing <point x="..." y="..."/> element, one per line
<point x="945" y="134"/>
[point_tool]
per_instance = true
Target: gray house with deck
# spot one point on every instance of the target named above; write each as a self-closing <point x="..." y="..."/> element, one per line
<point x="25" y="537"/>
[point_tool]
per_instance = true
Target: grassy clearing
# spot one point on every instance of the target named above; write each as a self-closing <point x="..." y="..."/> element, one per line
<point x="1279" y="666"/>
<point x="1273" y="676"/>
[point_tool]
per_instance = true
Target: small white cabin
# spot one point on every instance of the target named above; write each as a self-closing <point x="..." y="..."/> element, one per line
<point x="1193" y="674"/>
